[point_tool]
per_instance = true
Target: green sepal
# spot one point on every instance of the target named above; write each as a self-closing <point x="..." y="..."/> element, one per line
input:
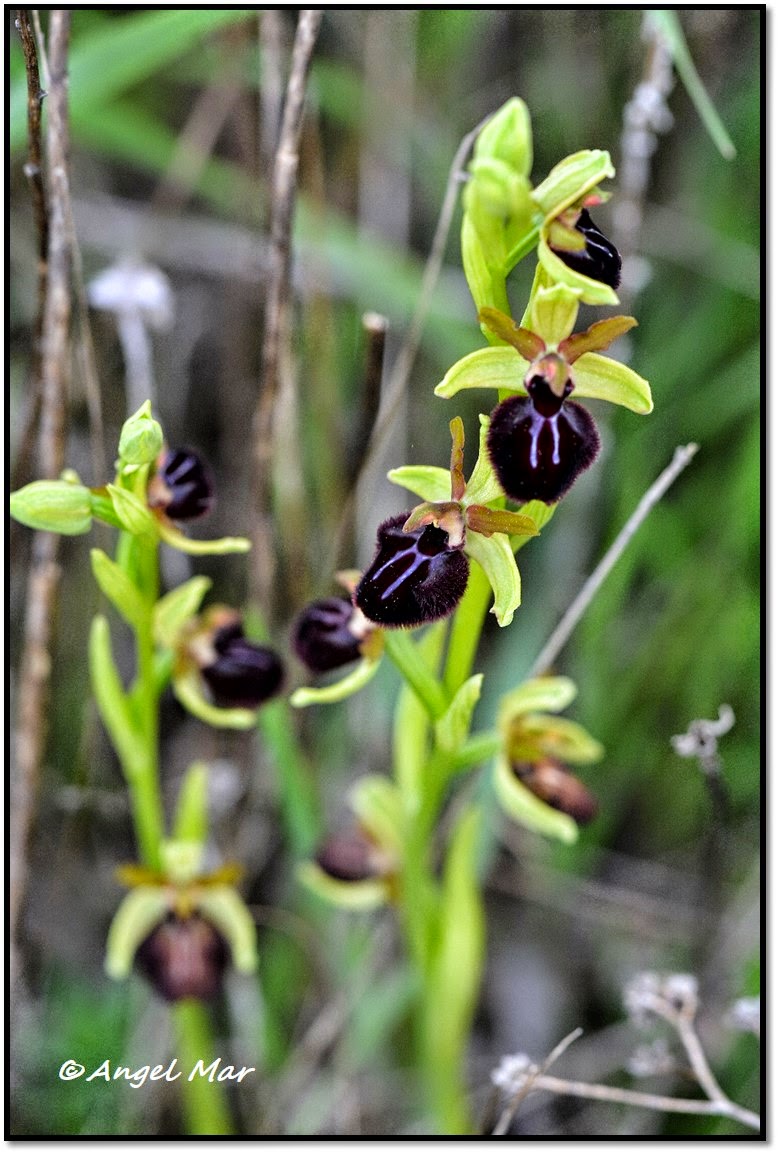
<point x="176" y="608"/>
<point x="554" y="311"/>
<point x="363" y="895"/>
<point x="189" y="691"/>
<point x="590" y="291"/>
<point x="53" y="507"/>
<point x="508" y="136"/>
<point x="499" y="367"/>
<point x="483" y="485"/>
<point x="571" y="180"/>
<point x="430" y="482"/>
<point x="604" y="379"/>
<point x="141" y="439"/>
<point x="190" y="823"/>
<point x="452" y="729"/>
<point x="112" y="702"/>
<point x="123" y="594"/>
<point x="181" y="859"/>
<point x="353" y="682"/>
<point x="139" y="912"/>
<point x="174" y="537"/>
<point x="522" y="806"/>
<point x="134" y="515"/>
<point x="540" y="693"/>
<point x="224" y="907"/>
<point x="554" y="737"/>
<point x="496" y="558"/>
<point x="377" y="804"/>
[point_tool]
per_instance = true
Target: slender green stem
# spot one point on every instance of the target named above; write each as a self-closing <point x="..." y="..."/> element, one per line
<point x="404" y="654"/>
<point x="205" y="1103"/>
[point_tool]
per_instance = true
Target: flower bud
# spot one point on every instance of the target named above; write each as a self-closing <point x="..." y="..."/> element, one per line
<point x="141" y="438"/>
<point x="508" y="137"/>
<point x="552" y="783"/>
<point x="184" y="958"/>
<point x="182" y="485"/>
<point x="599" y="259"/>
<point x="53" y="506"/>
<point x="328" y="634"/>
<point x="414" y="578"/>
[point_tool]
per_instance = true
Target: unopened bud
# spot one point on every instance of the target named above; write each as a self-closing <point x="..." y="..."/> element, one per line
<point x="141" y="438"/>
<point x="54" y="506"/>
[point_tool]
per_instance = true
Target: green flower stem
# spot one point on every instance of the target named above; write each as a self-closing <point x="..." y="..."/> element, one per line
<point x="403" y="652"/>
<point x="205" y="1103"/>
<point x="466" y="630"/>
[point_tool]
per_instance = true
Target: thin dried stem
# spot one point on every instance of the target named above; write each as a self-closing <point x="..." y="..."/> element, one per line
<point x="44" y="572"/>
<point x="532" y="1080"/>
<point x="277" y="306"/>
<point x="272" y="82"/>
<point x="578" y="607"/>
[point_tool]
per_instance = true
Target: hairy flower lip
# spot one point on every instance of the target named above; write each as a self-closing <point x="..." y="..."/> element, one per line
<point x="329" y="633"/>
<point x="554" y="784"/>
<point x="184" y="957"/>
<point x="182" y="486"/>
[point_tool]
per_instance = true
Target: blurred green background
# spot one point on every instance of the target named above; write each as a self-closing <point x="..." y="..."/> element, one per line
<point x="168" y="167"/>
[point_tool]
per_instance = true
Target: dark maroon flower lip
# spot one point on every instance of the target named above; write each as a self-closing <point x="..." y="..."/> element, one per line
<point x="414" y="578"/>
<point x="182" y="485"/>
<point x="540" y="444"/>
<point x="326" y="635"/>
<point x="550" y="781"/>
<point x="243" y="675"/>
<point x="184" y="958"/>
<point x="599" y="259"/>
<point x="349" y="856"/>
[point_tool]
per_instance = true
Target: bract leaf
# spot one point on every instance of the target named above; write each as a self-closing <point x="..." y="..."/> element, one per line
<point x="110" y="696"/>
<point x="353" y="682"/>
<point x="452" y="729"/>
<point x="411" y="723"/>
<point x="378" y="805"/>
<point x="189" y="691"/>
<point x="571" y="179"/>
<point x="224" y="907"/>
<point x="552" y="693"/>
<point x="496" y="558"/>
<point x="522" y="806"/>
<point x="138" y="914"/>
<point x="430" y="482"/>
<point x="508" y="136"/>
<point x="123" y="594"/>
<point x="132" y="512"/>
<point x="176" y="608"/>
<point x="486" y="280"/>
<point x="554" y="311"/>
<point x="363" y="895"/>
<point x="499" y="367"/>
<point x="604" y="379"/>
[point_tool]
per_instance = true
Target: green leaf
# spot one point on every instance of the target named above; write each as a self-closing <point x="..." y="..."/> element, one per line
<point x="363" y="895"/>
<point x="554" y="311"/>
<point x="378" y="805"/>
<point x="224" y="907"/>
<point x="191" y="819"/>
<point x="522" y="806"/>
<point x="453" y="728"/>
<point x="483" y="485"/>
<point x="571" y="179"/>
<point x="173" y="536"/>
<point x="188" y="689"/>
<point x="540" y="693"/>
<point x="132" y="512"/>
<point x="111" y="699"/>
<point x="430" y="482"/>
<point x="352" y="683"/>
<point x="119" y="589"/>
<point x="499" y="367"/>
<point x="604" y="379"/>
<point x="54" y="507"/>
<point x="176" y="608"/>
<point x="496" y="558"/>
<point x="139" y="912"/>
<point x="668" y="23"/>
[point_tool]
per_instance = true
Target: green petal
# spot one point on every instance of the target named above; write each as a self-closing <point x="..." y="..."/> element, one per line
<point x="176" y="608"/>
<point x="365" y="895"/>
<point x="224" y="907"/>
<point x="572" y="179"/>
<point x="354" y="681"/>
<point x="483" y="485"/>
<point x="123" y="594"/>
<point x="554" y="311"/>
<point x="524" y="807"/>
<point x="452" y="729"/>
<point x="173" y="536"/>
<point x="604" y="379"/>
<point x="499" y="367"/>
<point x="139" y="912"/>
<point x="552" y="693"/>
<point x="499" y="564"/>
<point x="430" y="482"/>
<point x="378" y="805"/>
<point x="591" y="292"/>
<point x="188" y="690"/>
